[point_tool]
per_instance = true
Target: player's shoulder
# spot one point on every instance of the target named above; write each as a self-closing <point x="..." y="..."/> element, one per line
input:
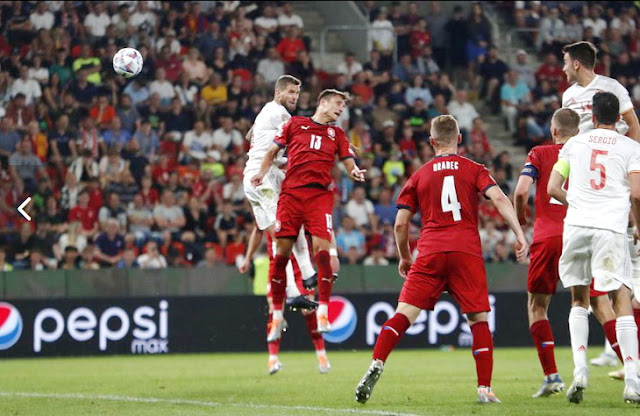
<point x="546" y="150"/>
<point x="606" y="83"/>
<point x="468" y="163"/>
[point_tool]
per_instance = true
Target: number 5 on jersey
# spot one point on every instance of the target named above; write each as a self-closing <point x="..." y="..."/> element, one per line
<point x="599" y="167"/>
<point x="449" y="198"/>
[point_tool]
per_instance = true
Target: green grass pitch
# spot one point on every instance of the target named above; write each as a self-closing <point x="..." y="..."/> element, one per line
<point x="416" y="382"/>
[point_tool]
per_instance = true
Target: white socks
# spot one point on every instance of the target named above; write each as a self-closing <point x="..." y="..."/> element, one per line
<point x="302" y="255"/>
<point x="323" y="309"/>
<point x="579" y="331"/>
<point x="607" y="348"/>
<point x="626" y="331"/>
<point x="292" y="287"/>
<point x="277" y="314"/>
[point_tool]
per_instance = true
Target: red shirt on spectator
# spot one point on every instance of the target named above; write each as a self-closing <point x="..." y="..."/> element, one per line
<point x="480" y="136"/>
<point x="87" y="216"/>
<point x="288" y="48"/>
<point x="102" y="119"/>
<point x="150" y="197"/>
<point x="418" y="40"/>
<point x="364" y="91"/>
<point x="553" y="74"/>
<point x="95" y="199"/>
<point x="172" y="66"/>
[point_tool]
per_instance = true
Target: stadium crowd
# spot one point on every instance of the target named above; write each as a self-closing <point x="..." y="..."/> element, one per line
<point x="147" y="172"/>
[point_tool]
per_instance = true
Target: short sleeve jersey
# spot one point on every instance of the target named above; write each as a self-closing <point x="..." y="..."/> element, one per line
<point x="550" y="213"/>
<point x="580" y="100"/>
<point x="599" y="164"/>
<point x="447" y="191"/>
<point x="311" y="150"/>
<point x="265" y="128"/>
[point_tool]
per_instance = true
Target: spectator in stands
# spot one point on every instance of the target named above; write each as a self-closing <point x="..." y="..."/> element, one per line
<point x="613" y="44"/>
<point x="385" y="209"/>
<point x="162" y="87"/>
<point x="478" y="136"/>
<point x="464" y="112"/>
<point x="573" y="29"/>
<point x="69" y="260"/>
<point x="492" y="71"/>
<point x="9" y="140"/>
<point x="115" y="136"/>
<point x="87" y="261"/>
<point x="514" y="94"/>
<point x="215" y="92"/>
<point x="102" y="112"/>
<point x="418" y="90"/>
<point x="197" y="142"/>
<point x="288" y="18"/>
<point x="113" y="210"/>
<point x="271" y="67"/>
<point x="86" y="215"/>
<point x="525" y="71"/>
<point x="41" y="18"/>
<point x="74" y="237"/>
<point x="404" y="69"/>
<point x="349" y="67"/>
<point x="209" y="260"/>
<point x="152" y="259"/>
<point x="146" y="140"/>
<point x="289" y="46"/>
<point x="360" y="209"/>
<point x="393" y="168"/>
<point x="25" y="167"/>
<point x="30" y="88"/>
<point x="226" y="224"/>
<point x="551" y="34"/>
<point x="458" y="36"/>
<point x="376" y="258"/>
<point x="167" y="215"/>
<point x="109" y="244"/>
<point x="302" y="68"/>
<point x="350" y="242"/>
<point x="227" y="138"/>
<point x="595" y="21"/>
<point x="381" y="34"/>
<point x="479" y="33"/>
<point x="551" y="70"/>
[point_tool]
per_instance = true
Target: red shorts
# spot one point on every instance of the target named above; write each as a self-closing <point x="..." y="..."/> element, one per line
<point x="543" y="273"/>
<point x="460" y="274"/>
<point x="595" y="293"/>
<point x="311" y="207"/>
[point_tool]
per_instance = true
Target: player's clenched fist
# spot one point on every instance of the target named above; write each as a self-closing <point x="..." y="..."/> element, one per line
<point x="404" y="266"/>
<point x="522" y="248"/>
<point x="257" y="179"/>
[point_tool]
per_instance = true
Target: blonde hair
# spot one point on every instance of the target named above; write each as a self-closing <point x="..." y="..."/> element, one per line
<point x="566" y="121"/>
<point x="328" y="93"/>
<point x="444" y="130"/>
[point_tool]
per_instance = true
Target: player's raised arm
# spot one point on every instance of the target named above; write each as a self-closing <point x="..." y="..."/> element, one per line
<point x="504" y="207"/>
<point x="558" y="176"/>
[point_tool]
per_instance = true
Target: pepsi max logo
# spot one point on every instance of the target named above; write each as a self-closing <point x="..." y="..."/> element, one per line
<point x="343" y="319"/>
<point x="10" y="325"/>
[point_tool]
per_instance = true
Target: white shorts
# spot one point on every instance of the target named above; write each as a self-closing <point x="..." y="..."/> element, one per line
<point x="592" y="252"/>
<point x="635" y="262"/>
<point x="264" y="198"/>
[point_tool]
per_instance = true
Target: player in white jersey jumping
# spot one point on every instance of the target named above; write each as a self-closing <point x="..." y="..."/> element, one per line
<point x="264" y="201"/>
<point x="579" y="63"/>
<point x="594" y="237"/>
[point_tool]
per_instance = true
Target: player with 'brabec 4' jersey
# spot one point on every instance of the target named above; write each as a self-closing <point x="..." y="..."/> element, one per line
<point x="312" y="145"/>
<point x="446" y="191"/>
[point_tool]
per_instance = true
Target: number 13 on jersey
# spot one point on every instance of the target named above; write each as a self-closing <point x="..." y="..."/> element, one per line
<point x="449" y="198"/>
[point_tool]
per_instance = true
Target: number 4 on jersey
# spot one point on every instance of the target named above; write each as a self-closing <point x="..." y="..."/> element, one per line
<point x="449" y="198"/>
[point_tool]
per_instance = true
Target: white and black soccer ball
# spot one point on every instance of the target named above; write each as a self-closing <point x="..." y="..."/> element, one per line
<point x="127" y="62"/>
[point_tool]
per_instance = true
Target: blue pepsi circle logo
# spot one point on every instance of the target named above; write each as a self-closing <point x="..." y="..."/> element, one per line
<point x="10" y="325"/>
<point x="343" y="319"/>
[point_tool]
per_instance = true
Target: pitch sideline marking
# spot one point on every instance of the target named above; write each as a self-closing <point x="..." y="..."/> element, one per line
<point x="133" y="399"/>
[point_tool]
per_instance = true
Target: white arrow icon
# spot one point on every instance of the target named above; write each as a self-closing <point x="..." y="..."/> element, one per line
<point x="21" y="208"/>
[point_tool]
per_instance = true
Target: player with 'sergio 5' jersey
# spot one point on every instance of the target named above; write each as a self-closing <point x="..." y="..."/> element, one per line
<point x="446" y="191"/>
<point x="579" y="63"/>
<point x="264" y="201"/>
<point x="546" y="248"/>
<point x="603" y="169"/>
<point x="312" y="144"/>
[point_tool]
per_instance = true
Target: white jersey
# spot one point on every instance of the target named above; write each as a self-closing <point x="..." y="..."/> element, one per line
<point x="580" y="100"/>
<point x="265" y="127"/>
<point x="599" y="163"/>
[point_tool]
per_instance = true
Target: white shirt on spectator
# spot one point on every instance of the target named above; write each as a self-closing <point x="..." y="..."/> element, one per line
<point x="147" y="262"/>
<point x="30" y="88"/>
<point x="464" y="113"/>
<point x="233" y="193"/>
<point x="223" y="140"/>
<point x="293" y="20"/>
<point x="97" y="24"/>
<point x="138" y="19"/>
<point x="349" y="71"/>
<point x="381" y="39"/>
<point x="550" y="29"/>
<point x="359" y="212"/>
<point x="42" y="21"/>
<point x="41" y="74"/>
<point x="266" y="23"/>
<point x="270" y="69"/>
<point x="174" y="47"/>
<point x="371" y="261"/>
<point x="163" y="88"/>
<point x="197" y="145"/>
<point x="625" y="26"/>
<point x="598" y="25"/>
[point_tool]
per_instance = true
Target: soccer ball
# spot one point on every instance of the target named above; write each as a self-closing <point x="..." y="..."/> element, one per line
<point x="127" y="62"/>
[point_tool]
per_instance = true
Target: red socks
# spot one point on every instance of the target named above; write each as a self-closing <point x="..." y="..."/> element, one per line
<point x="482" y="352"/>
<point x="278" y="280"/>
<point x="312" y="327"/>
<point x="610" y="333"/>
<point x="325" y="276"/>
<point x="636" y="315"/>
<point x="273" y="347"/>
<point x="392" y="331"/>
<point x="543" y="338"/>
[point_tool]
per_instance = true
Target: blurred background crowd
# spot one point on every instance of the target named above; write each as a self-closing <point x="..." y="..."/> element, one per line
<point x="147" y="172"/>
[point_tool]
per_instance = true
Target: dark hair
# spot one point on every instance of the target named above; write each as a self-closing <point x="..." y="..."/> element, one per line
<point x="285" y="80"/>
<point x="606" y="108"/>
<point x="583" y="52"/>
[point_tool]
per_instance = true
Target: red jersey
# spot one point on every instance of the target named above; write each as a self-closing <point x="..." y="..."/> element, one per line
<point x="446" y="191"/>
<point x="86" y="216"/>
<point x="311" y="149"/>
<point x="549" y="212"/>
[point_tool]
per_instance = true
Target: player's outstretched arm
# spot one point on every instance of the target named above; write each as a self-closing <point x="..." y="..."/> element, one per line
<point x="267" y="160"/>
<point x="252" y="246"/>
<point x="504" y="207"/>
<point x="631" y="118"/>
<point x="355" y="173"/>
<point x="554" y="187"/>
<point x="401" y="231"/>
<point x="521" y="197"/>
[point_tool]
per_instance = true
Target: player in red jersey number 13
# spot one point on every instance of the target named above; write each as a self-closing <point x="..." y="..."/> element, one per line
<point x="446" y="191"/>
<point x="312" y="144"/>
